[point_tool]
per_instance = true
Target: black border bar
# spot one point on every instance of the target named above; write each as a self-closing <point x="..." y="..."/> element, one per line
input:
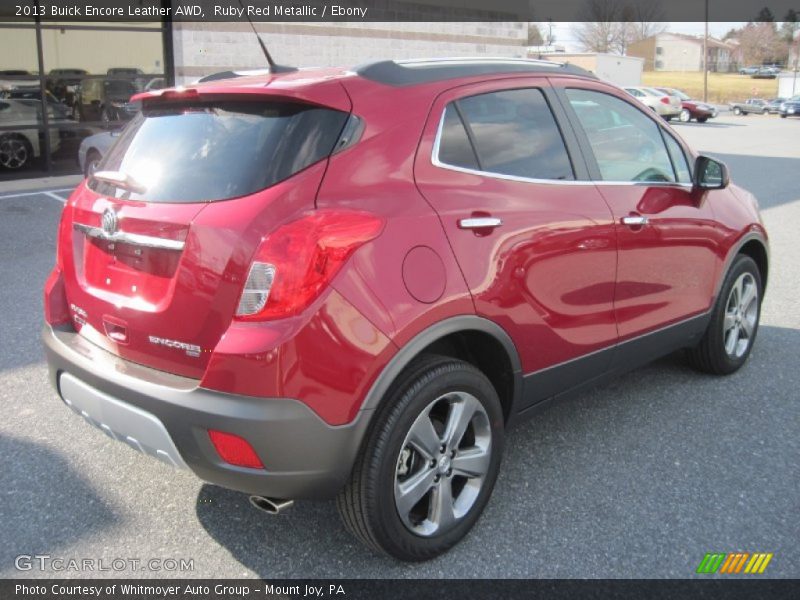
<point x="133" y="11"/>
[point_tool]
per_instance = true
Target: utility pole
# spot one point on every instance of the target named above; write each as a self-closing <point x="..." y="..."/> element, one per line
<point x="705" y="59"/>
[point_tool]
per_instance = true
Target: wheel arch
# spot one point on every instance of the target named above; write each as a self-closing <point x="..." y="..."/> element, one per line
<point x="754" y="245"/>
<point x="473" y="339"/>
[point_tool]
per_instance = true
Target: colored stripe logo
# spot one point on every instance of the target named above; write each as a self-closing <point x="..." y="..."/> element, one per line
<point x="734" y="562"/>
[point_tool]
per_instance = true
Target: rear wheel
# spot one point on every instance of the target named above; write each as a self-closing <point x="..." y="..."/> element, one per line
<point x="765" y="111"/>
<point x="734" y="321"/>
<point x="92" y="160"/>
<point x="737" y="111"/>
<point x="16" y="152"/>
<point x="686" y="116"/>
<point x="428" y="467"/>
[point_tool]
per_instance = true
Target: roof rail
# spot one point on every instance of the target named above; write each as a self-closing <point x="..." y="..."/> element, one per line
<point x="412" y="72"/>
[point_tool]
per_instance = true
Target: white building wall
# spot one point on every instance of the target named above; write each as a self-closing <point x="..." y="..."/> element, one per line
<point x="620" y="70"/>
<point x="788" y="85"/>
<point x="204" y="48"/>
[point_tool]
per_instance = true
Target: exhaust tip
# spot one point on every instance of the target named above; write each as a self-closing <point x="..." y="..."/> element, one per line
<point x="272" y="506"/>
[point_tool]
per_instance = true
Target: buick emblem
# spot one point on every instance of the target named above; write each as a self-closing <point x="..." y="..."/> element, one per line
<point x="110" y="221"/>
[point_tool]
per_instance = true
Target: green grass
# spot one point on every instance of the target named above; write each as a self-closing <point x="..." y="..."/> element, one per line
<point x="722" y="87"/>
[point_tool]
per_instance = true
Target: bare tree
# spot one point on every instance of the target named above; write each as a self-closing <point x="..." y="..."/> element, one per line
<point x="535" y="35"/>
<point x="760" y="44"/>
<point x="612" y="25"/>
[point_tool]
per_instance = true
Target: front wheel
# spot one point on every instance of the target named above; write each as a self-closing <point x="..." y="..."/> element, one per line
<point x="737" y="111"/>
<point x="734" y="321"/>
<point x="428" y="467"/>
<point x="702" y="119"/>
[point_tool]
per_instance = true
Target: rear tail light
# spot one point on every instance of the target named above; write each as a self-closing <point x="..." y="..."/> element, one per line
<point x="293" y="264"/>
<point x="665" y="100"/>
<point x="234" y="450"/>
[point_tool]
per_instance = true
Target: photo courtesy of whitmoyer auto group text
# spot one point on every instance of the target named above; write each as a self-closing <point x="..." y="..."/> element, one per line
<point x="399" y="299"/>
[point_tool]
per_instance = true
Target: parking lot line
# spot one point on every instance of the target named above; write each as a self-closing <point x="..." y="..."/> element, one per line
<point x="50" y="193"/>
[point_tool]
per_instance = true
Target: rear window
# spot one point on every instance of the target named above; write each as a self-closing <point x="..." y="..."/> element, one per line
<point x="204" y="152"/>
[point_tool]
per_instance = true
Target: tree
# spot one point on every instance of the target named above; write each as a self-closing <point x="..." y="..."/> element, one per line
<point x="535" y="35"/>
<point x="760" y="44"/>
<point x="765" y="16"/>
<point x="613" y="25"/>
<point x="790" y="26"/>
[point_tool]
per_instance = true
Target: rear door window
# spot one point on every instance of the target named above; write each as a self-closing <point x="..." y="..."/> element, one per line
<point x="203" y="151"/>
<point x="510" y="132"/>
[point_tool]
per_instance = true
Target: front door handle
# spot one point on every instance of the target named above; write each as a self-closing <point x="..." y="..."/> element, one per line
<point x="479" y="223"/>
<point x="635" y="221"/>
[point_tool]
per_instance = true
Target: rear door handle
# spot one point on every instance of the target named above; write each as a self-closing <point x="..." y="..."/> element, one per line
<point x="479" y="223"/>
<point x="635" y="221"/>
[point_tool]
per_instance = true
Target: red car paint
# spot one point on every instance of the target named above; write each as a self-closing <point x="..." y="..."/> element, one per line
<point x="563" y="277"/>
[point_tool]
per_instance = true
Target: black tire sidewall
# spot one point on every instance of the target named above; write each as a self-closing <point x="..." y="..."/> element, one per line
<point x="386" y="524"/>
<point x="726" y="363"/>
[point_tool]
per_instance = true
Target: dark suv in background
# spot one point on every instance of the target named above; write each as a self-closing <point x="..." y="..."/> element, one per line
<point x="351" y="282"/>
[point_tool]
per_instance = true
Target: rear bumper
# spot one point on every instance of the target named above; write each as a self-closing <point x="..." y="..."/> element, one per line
<point x="303" y="456"/>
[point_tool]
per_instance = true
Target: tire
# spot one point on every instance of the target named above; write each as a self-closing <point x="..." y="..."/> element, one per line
<point x="737" y="111"/>
<point x="686" y="116"/>
<point x="702" y="119"/>
<point x="783" y="116"/>
<point x="732" y="330"/>
<point x="93" y="158"/>
<point x="16" y="152"/>
<point x="765" y="111"/>
<point x="428" y="395"/>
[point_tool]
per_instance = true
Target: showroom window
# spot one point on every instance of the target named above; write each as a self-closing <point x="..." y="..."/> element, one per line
<point x="64" y="82"/>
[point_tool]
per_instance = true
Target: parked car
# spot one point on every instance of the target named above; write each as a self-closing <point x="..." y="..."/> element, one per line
<point x="351" y="282"/>
<point x="691" y="109"/>
<point x="663" y="104"/>
<point x="12" y="78"/>
<point x="790" y="108"/>
<point x="93" y="149"/>
<point x="749" y="70"/>
<point x="18" y="148"/>
<point x="774" y="105"/>
<point x="59" y="110"/>
<point x="751" y="105"/>
<point x="106" y="100"/>
<point x="124" y="72"/>
<point x="766" y="73"/>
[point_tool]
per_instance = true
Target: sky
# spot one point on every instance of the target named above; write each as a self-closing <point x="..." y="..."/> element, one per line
<point x="565" y="37"/>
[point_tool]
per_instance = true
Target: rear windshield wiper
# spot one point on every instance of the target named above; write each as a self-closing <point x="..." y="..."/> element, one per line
<point x="120" y="180"/>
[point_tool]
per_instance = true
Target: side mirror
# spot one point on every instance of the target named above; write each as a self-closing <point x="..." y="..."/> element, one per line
<point x="710" y="174"/>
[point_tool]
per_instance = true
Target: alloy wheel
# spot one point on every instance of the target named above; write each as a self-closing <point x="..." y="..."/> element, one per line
<point x="443" y="464"/>
<point x="686" y="116"/>
<point x="741" y="316"/>
<point x="13" y="153"/>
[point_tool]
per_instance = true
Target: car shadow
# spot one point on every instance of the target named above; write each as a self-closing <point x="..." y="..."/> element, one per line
<point x="617" y="476"/>
<point x="46" y="504"/>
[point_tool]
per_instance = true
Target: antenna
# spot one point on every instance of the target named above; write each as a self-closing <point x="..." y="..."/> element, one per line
<point x="273" y="66"/>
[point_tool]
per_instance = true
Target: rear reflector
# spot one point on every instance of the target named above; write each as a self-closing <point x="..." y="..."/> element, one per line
<point x="665" y="100"/>
<point x="234" y="450"/>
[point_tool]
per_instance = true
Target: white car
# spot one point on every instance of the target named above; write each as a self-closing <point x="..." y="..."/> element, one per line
<point x="93" y="149"/>
<point x="19" y="147"/>
<point x="665" y="105"/>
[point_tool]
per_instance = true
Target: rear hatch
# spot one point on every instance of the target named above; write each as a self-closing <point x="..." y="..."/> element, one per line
<point x="156" y="249"/>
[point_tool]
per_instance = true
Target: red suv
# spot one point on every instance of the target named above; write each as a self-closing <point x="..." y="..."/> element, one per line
<point x="351" y="283"/>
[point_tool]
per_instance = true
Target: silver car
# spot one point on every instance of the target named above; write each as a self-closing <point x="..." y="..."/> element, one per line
<point x="20" y="146"/>
<point x="664" y="104"/>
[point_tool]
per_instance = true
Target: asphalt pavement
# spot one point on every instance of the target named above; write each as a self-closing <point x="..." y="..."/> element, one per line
<point x="638" y="478"/>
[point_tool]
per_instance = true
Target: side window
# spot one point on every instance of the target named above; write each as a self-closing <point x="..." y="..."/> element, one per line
<point x="679" y="161"/>
<point x="512" y="132"/>
<point x="627" y="144"/>
<point x="454" y="146"/>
